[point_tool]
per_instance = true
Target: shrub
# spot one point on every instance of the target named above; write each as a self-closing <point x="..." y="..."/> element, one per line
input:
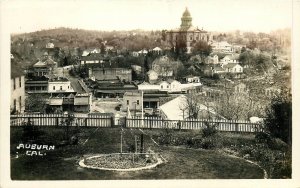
<point x="209" y="130"/>
<point x="31" y="133"/>
<point x="210" y="137"/>
<point x="279" y="117"/>
<point x="210" y="142"/>
<point x="262" y="137"/>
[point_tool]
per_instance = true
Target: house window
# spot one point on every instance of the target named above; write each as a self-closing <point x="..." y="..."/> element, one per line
<point x="60" y="87"/>
<point x="191" y="38"/>
<point x="14" y="83"/>
<point x="161" y="86"/>
<point x="15" y="104"/>
<point x="127" y="102"/>
<point x="68" y="87"/>
<point x="138" y="102"/>
<point x="167" y="86"/>
<point x="20" y="83"/>
<point x="53" y="87"/>
<point x="20" y="102"/>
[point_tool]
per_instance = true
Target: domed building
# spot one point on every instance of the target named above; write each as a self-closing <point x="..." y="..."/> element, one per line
<point x="187" y="35"/>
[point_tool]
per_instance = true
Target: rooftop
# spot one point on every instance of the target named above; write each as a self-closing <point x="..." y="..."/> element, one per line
<point x="59" y="79"/>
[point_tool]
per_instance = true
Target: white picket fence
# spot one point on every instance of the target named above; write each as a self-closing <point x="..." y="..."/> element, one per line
<point x="194" y="124"/>
<point x="58" y="119"/>
<point x="99" y="120"/>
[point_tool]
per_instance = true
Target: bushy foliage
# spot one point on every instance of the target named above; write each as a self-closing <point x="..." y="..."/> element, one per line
<point x="36" y="103"/>
<point x="203" y="48"/>
<point x="31" y="133"/>
<point x="279" y="117"/>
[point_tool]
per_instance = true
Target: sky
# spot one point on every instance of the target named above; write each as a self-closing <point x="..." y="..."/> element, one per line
<point x="213" y="15"/>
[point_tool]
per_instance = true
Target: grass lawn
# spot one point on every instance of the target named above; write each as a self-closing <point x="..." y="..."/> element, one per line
<point x="182" y="163"/>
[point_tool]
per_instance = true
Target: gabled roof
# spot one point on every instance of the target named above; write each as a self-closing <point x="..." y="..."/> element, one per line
<point x="171" y="80"/>
<point x="145" y="83"/>
<point x="218" y="68"/>
<point x="232" y="56"/>
<point x="230" y="65"/>
<point x="50" y="62"/>
<point x="173" y="109"/>
<point x="151" y="72"/>
<point x="92" y="57"/>
<point x="40" y="64"/>
<point x="162" y="60"/>
<point x="163" y="82"/>
<point x="157" y="49"/>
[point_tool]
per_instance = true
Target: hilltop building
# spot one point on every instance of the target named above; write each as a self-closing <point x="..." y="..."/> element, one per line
<point x="187" y="34"/>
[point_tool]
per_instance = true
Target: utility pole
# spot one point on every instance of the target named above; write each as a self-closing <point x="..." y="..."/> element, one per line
<point x="142" y="143"/>
<point x="142" y="103"/>
<point x="135" y="141"/>
<point x="121" y="141"/>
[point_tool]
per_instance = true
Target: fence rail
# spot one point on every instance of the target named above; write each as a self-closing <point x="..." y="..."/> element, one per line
<point x="59" y="119"/>
<point x="146" y="123"/>
<point x="194" y="124"/>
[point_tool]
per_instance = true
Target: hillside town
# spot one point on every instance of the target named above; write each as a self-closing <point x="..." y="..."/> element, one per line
<point x="207" y="101"/>
<point x="188" y="62"/>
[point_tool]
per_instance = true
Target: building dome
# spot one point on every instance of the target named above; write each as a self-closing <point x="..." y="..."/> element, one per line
<point x="186" y="20"/>
<point x="186" y="13"/>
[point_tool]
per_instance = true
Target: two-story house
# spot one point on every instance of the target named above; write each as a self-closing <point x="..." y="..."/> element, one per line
<point x="132" y="101"/>
<point x="110" y="73"/>
<point x="17" y="100"/>
<point x="233" y="68"/>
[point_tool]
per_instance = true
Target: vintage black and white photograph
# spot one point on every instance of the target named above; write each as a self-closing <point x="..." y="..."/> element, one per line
<point x="150" y="90"/>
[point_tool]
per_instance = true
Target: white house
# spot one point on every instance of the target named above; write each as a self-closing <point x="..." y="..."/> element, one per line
<point x="233" y="58"/>
<point x="135" y="54"/>
<point x="90" y="51"/>
<point x="192" y="79"/>
<point x="49" y="45"/>
<point x="222" y="46"/>
<point x="233" y="68"/>
<point x="171" y="86"/>
<point x="59" y="84"/>
<point x="91" y="58"/>
<point x="143" y="52"/>
<point x="157" y="50"/>
<point x="145" y="86"/>
<point x="17" y="95"/>
<point x="152" y="76"/>
<point x="212" y="59"/>
<point x="272" y="91"/>
<point x="175" y="86"/>
<point x="164" y="86"/>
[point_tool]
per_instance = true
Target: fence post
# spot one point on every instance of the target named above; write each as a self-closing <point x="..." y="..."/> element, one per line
<point x="236" y="126"/>
<point x="112" y="120"/>
<point x="179" y="125"/>
<point x="85" y="122"/>
<point x="56" y="121"/>
<point x="125" y="122"/>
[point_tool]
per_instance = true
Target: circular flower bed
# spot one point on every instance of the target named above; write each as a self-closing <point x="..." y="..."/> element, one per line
<point x="121" y="162"/>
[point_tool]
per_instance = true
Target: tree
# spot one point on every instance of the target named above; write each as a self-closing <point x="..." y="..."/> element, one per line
<point x="35" y="103"/>
<point x="180" y="46"/>
<point x="202" y="48"/>
<point x="278" y="120"/>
